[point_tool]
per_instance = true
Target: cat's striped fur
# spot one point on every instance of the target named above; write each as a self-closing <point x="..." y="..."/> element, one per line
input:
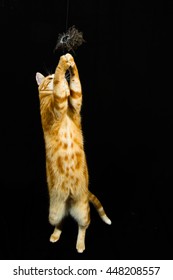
<point x="66" y="166"/>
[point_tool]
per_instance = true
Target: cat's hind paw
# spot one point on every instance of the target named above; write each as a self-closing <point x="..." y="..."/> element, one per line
<point x="55" y="236"/>
<point x="80" y="247"/>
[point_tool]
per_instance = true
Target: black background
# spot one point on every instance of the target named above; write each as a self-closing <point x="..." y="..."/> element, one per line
<point x="125" y="68"/>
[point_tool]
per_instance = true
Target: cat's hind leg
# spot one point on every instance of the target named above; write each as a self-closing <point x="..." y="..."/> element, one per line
<point x="81" y="212"/>
<point x="56" y="234"/>
<point x="57" y="211"/>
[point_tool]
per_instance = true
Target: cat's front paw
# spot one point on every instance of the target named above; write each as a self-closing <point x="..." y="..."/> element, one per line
<point x="64" y="63"/>
<point x="70" y="59"/>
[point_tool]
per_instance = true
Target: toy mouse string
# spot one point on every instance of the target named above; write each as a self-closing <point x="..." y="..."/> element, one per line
<point x="67" y="15"/>
<point x="71" y="39"/>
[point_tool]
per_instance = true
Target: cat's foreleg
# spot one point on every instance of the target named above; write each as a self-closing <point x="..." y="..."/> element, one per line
<point x="63" y="65"/>
<point x="60" y="87"/>
<point x="75" y="97"/>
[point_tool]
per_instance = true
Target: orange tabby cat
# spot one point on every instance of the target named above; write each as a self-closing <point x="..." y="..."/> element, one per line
<point x="66" y="167"/>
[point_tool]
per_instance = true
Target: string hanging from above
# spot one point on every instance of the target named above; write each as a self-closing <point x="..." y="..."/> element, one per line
<point x="71" y="39"/>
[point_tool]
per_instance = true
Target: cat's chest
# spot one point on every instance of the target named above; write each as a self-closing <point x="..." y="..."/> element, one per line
<point x="66" y="137"/>
<point x="65" y="148"/>
<point x="69" y="154"/>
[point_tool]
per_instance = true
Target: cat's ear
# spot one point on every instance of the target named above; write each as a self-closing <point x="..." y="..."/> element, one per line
<point x="39" y="78"/>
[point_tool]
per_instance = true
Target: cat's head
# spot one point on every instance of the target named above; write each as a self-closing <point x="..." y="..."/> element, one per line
<point x="44" y="83"/>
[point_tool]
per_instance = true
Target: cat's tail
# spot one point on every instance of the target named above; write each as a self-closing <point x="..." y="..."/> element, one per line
<point x="97" y="204"/>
